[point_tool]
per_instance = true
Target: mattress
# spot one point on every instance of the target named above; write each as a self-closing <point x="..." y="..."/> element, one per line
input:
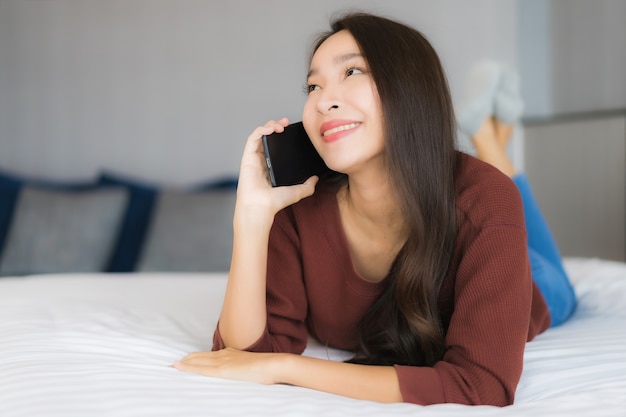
<point x="102" y="345"/>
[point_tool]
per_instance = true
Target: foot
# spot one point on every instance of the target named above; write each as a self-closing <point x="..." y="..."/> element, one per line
<point x="508" y="103"/>
<point x="481" y="88"/>
<point x="504" y="133"/>
<point x="489" y="148"/>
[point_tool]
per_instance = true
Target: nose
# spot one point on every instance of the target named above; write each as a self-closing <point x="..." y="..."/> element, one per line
<point x="324" y="107"/>
<point x="328" y="100"/>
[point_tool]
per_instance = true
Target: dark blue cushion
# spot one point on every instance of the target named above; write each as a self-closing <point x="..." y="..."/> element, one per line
<point x="9" y="190"/>
<point x="135" y="223"/>
<point x="224" y="183"/>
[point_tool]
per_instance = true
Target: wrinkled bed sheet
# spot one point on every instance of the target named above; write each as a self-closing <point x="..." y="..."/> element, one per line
<point x="101" y="345"/>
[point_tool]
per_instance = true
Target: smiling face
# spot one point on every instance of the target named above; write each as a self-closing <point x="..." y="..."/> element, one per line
<point x="342" y="114"/>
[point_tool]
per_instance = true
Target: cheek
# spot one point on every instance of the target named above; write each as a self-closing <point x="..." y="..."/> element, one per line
<point x="308" y="117"/>
<point x="311" y="124"/>
<point x="369" y="96"/>
<point x="375" y="107"/>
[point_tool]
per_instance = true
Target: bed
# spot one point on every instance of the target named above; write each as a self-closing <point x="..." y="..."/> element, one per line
<point x="101" y="345"/>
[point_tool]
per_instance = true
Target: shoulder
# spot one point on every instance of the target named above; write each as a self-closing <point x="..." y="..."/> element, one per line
<point x="485" y="195"/>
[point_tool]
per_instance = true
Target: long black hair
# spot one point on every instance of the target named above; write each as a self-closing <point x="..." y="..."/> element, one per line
<point x="403" y="325"/>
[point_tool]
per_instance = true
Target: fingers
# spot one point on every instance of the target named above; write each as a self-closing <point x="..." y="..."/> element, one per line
<point x="253" y="156"/>
<point x="228" y="363"/>
<point x="196" y="362"/>
<point x="293" y="193"/>
<point x="272" y="126"/>
<point x="196" y="368"/>
<point x="205" y="357"/>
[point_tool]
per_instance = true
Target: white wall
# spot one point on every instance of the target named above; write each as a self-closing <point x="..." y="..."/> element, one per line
<point x="168" y="90"/>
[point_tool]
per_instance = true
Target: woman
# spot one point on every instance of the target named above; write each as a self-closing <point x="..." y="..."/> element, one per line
<point x="414" y="257"/>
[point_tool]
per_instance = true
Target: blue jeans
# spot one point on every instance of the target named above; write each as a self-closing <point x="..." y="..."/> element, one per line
<point x="545" y="259"/>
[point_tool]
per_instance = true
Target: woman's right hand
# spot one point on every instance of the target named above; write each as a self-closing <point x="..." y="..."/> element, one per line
<point x="254" y="190"/>
<point x="244" y="313"/>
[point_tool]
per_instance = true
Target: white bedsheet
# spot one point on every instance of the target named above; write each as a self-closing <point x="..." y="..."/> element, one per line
<point x="101" y="345"/>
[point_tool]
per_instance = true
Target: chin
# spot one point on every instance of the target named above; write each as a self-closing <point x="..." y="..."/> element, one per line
<point x="341" y="168"/>
<point x="337" y="166"/>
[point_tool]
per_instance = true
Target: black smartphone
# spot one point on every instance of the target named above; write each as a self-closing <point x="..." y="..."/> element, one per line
<point x="290" y="156"/>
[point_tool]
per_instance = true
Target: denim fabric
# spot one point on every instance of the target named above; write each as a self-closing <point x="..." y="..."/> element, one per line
<point x="545" y="259"/>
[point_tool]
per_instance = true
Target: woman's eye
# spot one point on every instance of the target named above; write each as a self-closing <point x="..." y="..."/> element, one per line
<point x="353" y="71"/>
<point x="312" y="87"/>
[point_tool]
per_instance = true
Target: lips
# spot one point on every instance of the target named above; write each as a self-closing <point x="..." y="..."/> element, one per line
<point x="336" y="129"/>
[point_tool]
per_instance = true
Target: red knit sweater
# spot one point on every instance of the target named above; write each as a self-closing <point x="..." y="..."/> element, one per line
<point x="489" y="304"/>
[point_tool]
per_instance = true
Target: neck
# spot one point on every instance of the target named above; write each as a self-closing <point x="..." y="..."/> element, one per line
<point x="373" y="204"/>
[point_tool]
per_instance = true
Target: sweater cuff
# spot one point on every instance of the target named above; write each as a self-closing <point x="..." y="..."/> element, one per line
<point x="420" y="385"/>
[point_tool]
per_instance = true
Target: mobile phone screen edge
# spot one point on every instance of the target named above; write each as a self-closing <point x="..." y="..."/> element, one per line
<point x="268" y="161"/>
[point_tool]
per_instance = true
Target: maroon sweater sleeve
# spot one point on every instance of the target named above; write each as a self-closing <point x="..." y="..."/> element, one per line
<point x="286" y="295"/>
<point x="493" y="299"/>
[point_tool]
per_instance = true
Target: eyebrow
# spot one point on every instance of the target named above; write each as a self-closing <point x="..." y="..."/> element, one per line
<point x="340" y="59"/>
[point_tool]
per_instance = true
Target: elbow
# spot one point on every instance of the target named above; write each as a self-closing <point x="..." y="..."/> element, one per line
<point x="492" y="392"/>
<point x="479" y="387"/>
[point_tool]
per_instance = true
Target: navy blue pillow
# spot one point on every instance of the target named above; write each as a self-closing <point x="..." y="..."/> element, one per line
<point x="135" y="223"/>
<point x="10" y="186"/>
<point x="9" y="190"/>
<point x="225" y="183"/>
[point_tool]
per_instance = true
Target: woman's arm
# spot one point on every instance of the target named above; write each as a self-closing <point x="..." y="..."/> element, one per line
<point x="366" y="382"/>
<point x="243" y="317"/>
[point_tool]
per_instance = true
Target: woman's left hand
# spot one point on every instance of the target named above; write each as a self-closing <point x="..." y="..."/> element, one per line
<point x="231" y="363"/>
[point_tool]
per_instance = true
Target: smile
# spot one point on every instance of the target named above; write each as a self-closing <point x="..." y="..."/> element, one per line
<point x="340" y="129"/>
